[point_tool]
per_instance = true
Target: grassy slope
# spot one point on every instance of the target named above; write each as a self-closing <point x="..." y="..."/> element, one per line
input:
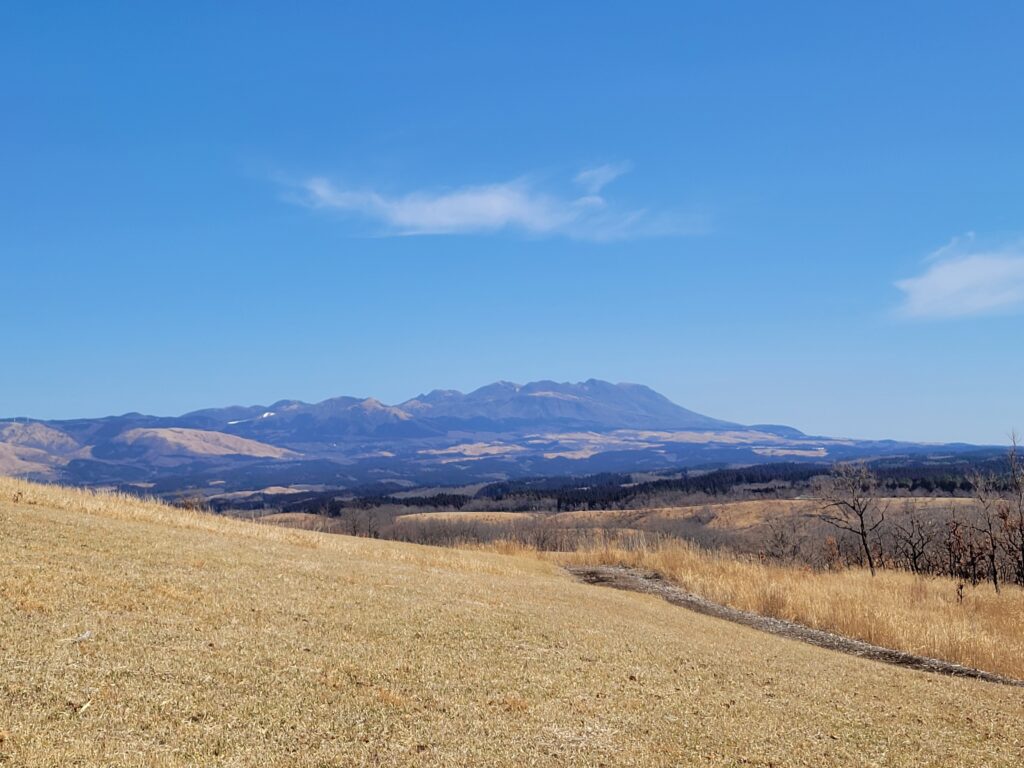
<point x="201" y="442"/>
<point x="220" y="642"/>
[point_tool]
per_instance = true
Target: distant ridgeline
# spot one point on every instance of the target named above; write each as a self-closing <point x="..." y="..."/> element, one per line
<point x="501" y="433"/>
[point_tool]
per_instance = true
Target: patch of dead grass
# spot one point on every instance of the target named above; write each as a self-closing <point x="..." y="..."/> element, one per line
<point x="922" y="615"/>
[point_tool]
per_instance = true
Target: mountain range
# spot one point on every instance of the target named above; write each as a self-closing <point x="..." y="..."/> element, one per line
<point x="444" y="437"/>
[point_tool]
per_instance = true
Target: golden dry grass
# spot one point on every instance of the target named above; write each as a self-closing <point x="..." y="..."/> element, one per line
<point x="741" y="515"/>
<point x="733" y="516"/>
<point x="306" y="521"/>
<point x="133" y="634"/>
<point x="895" y="609"/>
<point x="500" y="518"/>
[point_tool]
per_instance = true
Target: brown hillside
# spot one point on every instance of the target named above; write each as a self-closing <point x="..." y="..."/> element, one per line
<point x="134" y="634"/>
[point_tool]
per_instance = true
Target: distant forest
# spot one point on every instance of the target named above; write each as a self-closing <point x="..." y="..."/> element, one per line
<point x="625" y="491"/>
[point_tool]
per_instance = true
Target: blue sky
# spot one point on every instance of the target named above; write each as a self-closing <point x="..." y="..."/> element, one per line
<point x="801" y="213"/>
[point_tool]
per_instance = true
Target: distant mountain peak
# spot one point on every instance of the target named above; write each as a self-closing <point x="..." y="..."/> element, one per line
<point x="500" y="430"/>
<point x="591" y="404"/>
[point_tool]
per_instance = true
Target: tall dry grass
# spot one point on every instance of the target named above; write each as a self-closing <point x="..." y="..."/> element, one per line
<point x="918" y="614"/>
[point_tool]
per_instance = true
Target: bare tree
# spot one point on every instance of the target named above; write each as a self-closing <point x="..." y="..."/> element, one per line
<point x="1011" y="512"/>
<point x="956" y="544"/>
<point x="786" y="540"/>
<point x="988" y="522"/>
<point x="849" y="502"/>
<point x="913" y="536"/>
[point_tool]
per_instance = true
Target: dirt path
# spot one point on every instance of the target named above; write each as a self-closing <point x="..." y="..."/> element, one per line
<point x="651" y="583"/>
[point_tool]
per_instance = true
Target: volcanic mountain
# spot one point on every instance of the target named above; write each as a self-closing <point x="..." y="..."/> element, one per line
<point x="444" y="437"/>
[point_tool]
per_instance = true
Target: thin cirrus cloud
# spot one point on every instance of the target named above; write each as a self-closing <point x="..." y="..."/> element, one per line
<point x="518" y="205"/>
<point x="963" y="280"/>
<point x="593" y="180"/>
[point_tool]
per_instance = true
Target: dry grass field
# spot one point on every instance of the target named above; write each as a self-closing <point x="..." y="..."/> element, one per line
<point x="727" y="516"/>
<point x="492" y="518"/>
<point x="306" y="521"/>
<point x="134" y="634"/>
<point x="896" y="609"/>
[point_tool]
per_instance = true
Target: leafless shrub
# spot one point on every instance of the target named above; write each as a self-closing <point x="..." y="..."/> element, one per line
<point x="849" y="502"/>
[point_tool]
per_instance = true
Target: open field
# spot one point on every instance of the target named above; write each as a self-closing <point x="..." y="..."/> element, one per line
<point x="135" y="634"/>
<point x="305" y="521"/>
<point x="727" y="516"/>
<point x="309" y="521"/>
<point x="786" y="530"/>
<point x="922" y="615"/>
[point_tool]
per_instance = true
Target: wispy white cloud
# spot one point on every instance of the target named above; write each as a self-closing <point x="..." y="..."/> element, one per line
<point x="963" y="279"/>
<point x="513" y="205"/>
<point x="593" y="180"/>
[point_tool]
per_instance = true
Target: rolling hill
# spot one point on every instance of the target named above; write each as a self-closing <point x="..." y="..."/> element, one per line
<point x="137" y="634"/>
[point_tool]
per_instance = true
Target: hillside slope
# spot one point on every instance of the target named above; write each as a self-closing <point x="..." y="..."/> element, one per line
<point x="176" y="442"/>
<point x="135" y="634"/>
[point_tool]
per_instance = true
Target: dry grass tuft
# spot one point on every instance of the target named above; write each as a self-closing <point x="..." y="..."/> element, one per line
<point x="134" y="634"/>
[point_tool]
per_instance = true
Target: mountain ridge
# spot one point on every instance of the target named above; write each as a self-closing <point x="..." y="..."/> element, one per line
<point x="495" y="432"/>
